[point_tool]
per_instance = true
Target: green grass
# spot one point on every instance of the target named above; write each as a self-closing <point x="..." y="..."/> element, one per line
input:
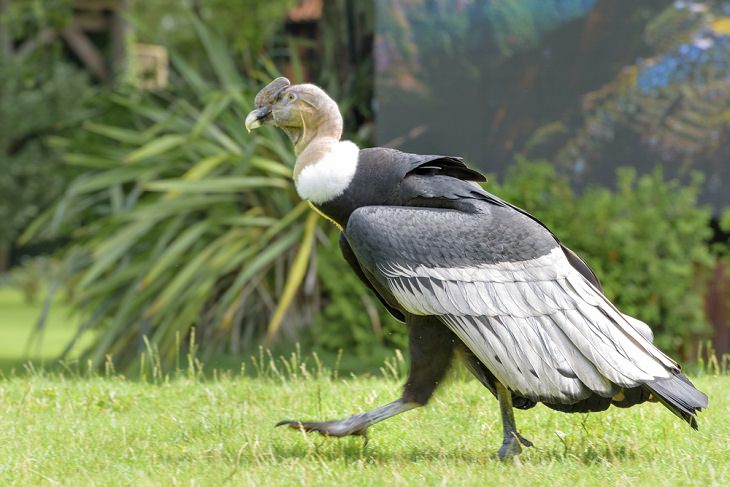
<point x="17" y="319"/>
<point x="75" y="430"/>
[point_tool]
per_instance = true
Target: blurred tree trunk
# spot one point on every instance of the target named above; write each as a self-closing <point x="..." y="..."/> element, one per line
<point x="6" y="43"/>
<point x="86" y="51"/>
<point x="4" y="256"/>
<point x="119" y="33"/>
<point x="346" y="36"/>
<point x="6" y="50"/>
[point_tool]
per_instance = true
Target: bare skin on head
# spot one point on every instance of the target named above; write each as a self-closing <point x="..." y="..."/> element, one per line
<point x="309" y="117"/>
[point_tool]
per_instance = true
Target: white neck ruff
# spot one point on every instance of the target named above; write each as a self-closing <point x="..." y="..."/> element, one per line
<point x="329" y="177"/>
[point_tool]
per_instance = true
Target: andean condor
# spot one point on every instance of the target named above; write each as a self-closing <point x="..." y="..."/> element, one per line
<point x="468" y="271"/>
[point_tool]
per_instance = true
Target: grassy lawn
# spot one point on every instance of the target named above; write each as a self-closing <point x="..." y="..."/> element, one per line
<point x="112" y="431"/>
<point x="17" y="319"/>
<point x="78" y="429"/>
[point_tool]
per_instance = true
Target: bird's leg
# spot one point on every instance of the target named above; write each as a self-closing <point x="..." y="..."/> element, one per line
<point x="431" y="346"/>
<point x="354" y="425"/>
<point x="512" y="439"/>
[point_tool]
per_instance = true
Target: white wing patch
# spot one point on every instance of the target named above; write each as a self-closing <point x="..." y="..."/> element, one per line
<point x="330" y="176"/>
<point x="538" y="325"/>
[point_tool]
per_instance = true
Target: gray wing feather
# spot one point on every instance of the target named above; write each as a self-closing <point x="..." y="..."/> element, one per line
<point x="538" y="324"/>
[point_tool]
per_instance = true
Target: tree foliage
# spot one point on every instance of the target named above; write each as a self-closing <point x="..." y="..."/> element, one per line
<point x="37" y="100"/>
<point x="246" y="25"/>
<point x="351" y="318"/>
<point x="26" y="18"/>
<point x="181" y="219"/>
<point x="40" y="96"/>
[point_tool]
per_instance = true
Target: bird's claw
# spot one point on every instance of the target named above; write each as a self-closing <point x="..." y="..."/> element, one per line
<point x="511" y="446"/>
<point x="522" y="439"/>
<point x="326" y="428"/>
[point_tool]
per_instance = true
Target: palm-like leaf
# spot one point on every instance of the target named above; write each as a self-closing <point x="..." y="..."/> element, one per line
<point x="184" y="220"/>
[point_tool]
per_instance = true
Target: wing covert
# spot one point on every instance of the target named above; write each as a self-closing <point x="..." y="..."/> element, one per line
<point x="502" y="283"/>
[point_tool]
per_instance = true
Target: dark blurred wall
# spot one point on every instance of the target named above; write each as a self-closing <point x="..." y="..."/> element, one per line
<point x="589" y="85"/>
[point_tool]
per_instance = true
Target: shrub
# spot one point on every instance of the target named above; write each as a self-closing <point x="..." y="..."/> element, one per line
<point x="352" y="319"/>
<point x="181" y="219"/>
<point x="40" y="96"/>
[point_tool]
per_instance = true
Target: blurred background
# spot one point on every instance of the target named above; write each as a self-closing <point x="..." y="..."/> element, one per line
<point x="137" y="216"/>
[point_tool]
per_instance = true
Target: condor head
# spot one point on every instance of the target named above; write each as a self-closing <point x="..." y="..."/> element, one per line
<point x="302" y="111"/>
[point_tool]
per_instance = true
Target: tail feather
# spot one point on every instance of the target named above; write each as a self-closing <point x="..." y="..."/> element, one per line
<point x="679" y="395"/>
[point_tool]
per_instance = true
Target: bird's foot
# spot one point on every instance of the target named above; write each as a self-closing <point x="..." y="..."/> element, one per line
<point x="327" y="428"/>
<point x="511" y="446"/>
<point x="356" y="425"/>
<point x="523" y="440"/>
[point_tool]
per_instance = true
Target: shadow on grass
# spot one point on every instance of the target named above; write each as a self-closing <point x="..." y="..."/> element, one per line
<point x="356" y="449"/>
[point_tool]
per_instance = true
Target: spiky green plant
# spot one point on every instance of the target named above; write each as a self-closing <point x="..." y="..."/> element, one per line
<point x="182" y="219"/>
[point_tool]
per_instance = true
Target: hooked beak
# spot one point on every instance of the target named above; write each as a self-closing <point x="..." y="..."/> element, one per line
<point x="258" y="117"/>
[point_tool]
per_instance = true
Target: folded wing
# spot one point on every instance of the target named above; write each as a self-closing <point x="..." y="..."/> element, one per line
<point x="503" y="285"/>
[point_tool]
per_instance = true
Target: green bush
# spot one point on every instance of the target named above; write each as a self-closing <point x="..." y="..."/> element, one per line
<point x="248" y="26"/>
<point x="178" y="218"/>
<point x="352" y="319"/>
<point x="40" y="96"/>
<point x="181" y="219"/>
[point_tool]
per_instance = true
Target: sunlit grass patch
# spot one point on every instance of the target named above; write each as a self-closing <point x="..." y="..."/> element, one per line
<point x="183" y="428"/>
<point x="18" y="318"/>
